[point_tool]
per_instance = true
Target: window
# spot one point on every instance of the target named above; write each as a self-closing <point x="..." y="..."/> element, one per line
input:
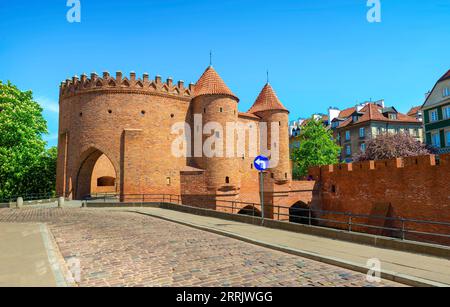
<point x="379" y="130"/>
<point x="168" y="181"/>
<point x="446" y="112"/>
<point x="446" y="92"/>
<point x="221" y="110"/>
<point x="393" y="116"/>
<point x="347" y="135"/>
<point x="348" y="150"/>
<point x="227" y="180"/>
<point x="217" y="134"/>
<point x="363" y="147"/>
<point x="106" y="182"/>
<point x="355" y="118"/>
<point x="362" y="132"/>
<point x="416" y="132"/>
<point x="433" y="115"/>
<point x="447" y="138"/>
<point x="436" y="139"/>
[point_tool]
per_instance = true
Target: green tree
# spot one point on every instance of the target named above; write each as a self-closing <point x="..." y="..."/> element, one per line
<point x="22" y="149"/>
<point x="317" y="148"/>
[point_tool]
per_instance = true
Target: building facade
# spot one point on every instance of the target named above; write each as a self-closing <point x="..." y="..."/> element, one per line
<point x="117" y="135"/>
<point x="436" y="110"/>
<point x="353" y="127"/>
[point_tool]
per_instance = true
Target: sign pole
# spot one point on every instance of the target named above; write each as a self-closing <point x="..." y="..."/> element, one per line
<point x="261" y="164"/>
<point x="262" y="196"/>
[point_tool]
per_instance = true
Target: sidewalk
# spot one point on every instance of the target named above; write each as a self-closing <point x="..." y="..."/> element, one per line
<point x="404" y="267"/>
<point x="26" y="257"/>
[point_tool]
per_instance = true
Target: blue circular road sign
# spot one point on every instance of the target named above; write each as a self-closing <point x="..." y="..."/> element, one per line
<point x="261" y="163"/>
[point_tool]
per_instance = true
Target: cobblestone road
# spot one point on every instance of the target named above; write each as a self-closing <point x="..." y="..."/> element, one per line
<point x="127" y="249"/>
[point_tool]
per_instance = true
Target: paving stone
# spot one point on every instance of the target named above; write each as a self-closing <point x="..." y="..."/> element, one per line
<point x="126" y="249"/>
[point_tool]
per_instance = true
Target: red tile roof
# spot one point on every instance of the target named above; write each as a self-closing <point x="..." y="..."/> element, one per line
<point x="414" y="111"/>
<point x="347" y="112"/>
<point x="372" y="112"/>
<point x="267" y="100"/>
<point x="211" y="83"/>
<point x="249" y="115"/>
<point x="445" y="76"/>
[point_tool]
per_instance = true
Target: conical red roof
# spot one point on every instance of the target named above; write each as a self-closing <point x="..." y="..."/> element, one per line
<point x="267" y="100"/>
<point x="211" y="83"/>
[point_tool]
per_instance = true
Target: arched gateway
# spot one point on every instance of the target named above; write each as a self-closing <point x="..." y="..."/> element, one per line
<point x="96" y="174"/>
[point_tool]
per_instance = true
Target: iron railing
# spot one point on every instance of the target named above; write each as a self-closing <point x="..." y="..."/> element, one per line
<point x="396" y="227"/>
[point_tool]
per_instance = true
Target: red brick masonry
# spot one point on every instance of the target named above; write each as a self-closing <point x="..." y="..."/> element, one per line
<point x="409" y="188"/>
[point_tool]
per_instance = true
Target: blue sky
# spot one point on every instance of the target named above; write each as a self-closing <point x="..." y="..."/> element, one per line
<point x="319" y="53"/>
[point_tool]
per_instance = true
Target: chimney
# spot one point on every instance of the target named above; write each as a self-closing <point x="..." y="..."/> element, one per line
<point x="333" y="113"/>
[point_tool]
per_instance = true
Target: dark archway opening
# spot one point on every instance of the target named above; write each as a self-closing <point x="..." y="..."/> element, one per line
<point x="250" y="211"/>
<point x="299" y="213"/>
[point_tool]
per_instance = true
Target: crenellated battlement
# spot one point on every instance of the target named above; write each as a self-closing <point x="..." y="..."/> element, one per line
<point x="383" y="165"/>
<point x="84" y="84"/>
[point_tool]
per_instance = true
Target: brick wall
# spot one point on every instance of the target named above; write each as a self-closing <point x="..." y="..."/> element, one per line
<point x="409" y="188"/>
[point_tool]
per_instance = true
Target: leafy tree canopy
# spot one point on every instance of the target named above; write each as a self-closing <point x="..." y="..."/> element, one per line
<point x="317" y="148"/>
<point x="22" y="149"/>
<point x="389" y="146"/>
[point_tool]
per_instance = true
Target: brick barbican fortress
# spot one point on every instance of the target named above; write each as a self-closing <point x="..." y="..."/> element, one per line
<point x="115" y="136"/>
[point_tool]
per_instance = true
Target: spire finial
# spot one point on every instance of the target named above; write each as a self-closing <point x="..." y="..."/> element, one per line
<point x="267" y="72"/>
<point x="210" y="58"/>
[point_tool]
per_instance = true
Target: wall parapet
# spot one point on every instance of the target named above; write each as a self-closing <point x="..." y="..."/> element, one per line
<point x="84" y="84"/>
<point x="394" y="164"/>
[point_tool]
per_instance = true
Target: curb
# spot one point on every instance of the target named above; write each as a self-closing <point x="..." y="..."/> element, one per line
<point x="52" y="255"/>
<point x="388" y="275"/>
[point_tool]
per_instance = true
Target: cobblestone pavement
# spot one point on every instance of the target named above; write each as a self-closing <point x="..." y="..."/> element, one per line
<point x="127" y="249"/>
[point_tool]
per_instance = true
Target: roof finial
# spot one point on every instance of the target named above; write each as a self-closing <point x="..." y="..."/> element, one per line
<point x="267" y="72"/>
<point x="210" y="58"/>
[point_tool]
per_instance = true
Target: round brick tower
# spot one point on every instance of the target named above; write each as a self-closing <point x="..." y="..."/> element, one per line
<point x="128" y="120"/>
<point x="271" y="110"/>
<point x="217" y="106"/>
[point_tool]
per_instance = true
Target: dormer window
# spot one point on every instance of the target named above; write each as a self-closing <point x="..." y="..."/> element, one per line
<point x="392" y="116"/>
<point x="446" y="92"/>
<point x="355" y="118"/>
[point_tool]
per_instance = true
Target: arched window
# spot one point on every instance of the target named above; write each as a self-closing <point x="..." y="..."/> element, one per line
<point x="227" y="180"/>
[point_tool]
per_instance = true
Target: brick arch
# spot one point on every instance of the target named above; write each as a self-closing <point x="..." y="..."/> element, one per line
<point x="298" y="212"/>
<point x="249" y="210"/>
<point x="88" y="159"/>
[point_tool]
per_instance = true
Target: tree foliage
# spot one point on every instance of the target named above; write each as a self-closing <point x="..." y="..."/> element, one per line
<point x="317" y="148"/>
<point x="389" y="146"/>
<point x="26" y="167"/>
